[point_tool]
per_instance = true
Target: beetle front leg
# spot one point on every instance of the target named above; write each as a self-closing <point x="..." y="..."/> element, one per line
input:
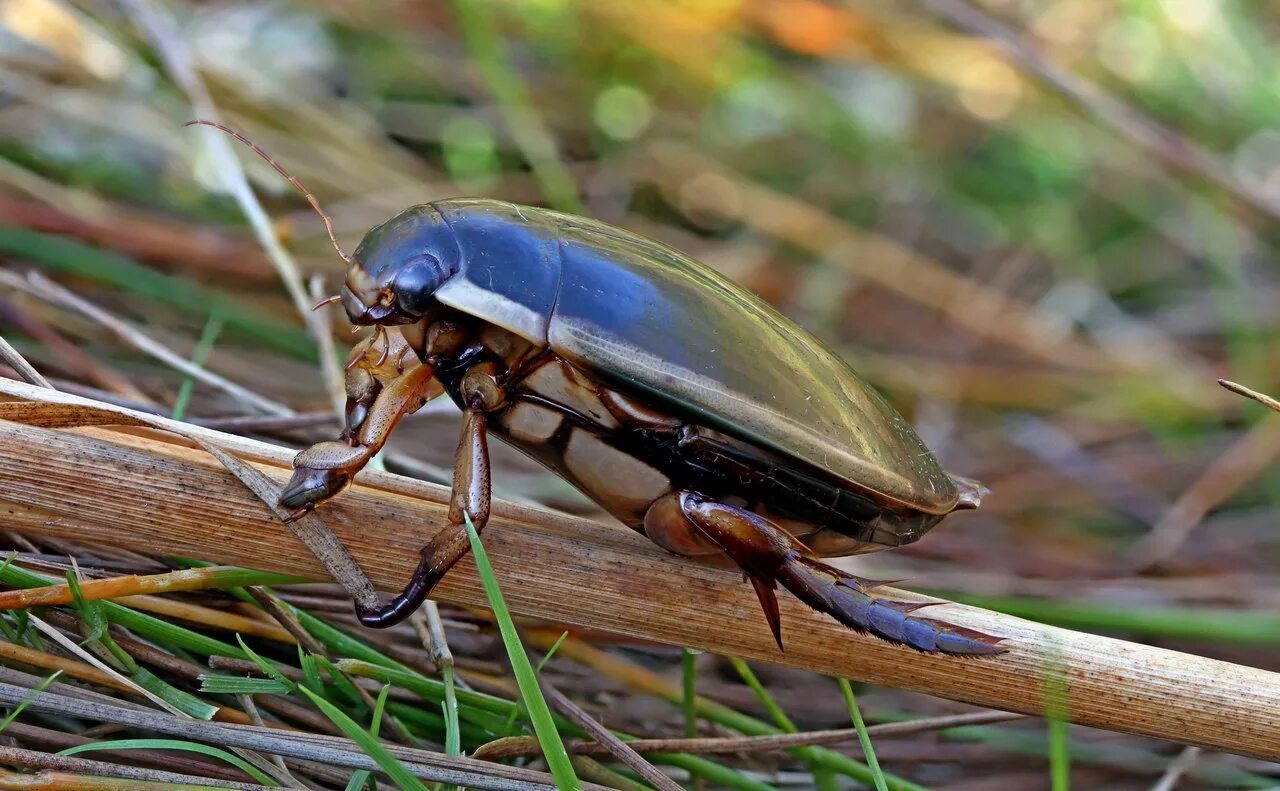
<point x="326" y="468"/>
<point x="769" y="556"/>
<point x="470" y="497"/>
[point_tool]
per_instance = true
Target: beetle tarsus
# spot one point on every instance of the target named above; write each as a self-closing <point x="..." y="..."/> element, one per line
<point x="844" y="598"/>
<point x="424" y="578"/>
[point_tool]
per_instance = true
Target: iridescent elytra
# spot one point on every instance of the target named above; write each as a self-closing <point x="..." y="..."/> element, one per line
<point x="680" y="402"/>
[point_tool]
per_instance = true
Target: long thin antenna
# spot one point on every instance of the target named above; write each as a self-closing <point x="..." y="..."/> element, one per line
<point x="315" y="204"/>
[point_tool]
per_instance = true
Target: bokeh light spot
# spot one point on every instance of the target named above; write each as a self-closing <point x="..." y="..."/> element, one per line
<point x="989" y="89"/>
<point x="622" y="112"/>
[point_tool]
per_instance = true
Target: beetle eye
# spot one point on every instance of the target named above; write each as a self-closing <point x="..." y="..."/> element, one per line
<point x="417" y="282"/>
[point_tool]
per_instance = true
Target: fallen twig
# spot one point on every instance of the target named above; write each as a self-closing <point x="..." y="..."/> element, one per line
<point x="1261" y="398"/>
<point x="517" y="746"/>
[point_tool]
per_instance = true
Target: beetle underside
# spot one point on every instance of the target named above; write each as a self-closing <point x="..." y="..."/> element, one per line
<point x="693" y="491"/>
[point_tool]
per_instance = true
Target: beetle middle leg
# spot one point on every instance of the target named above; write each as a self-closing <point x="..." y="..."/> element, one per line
<point x="690" y="524"/>
<point x="469" y="498"/>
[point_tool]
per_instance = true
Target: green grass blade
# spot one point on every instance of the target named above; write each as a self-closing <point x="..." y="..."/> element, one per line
<point x="182" y="701"/>
<point x="148" y="626"/>
<point x="371" y="746"/>
<point x="1055" y="714"/>
<point x="361" y="777"/>
<point x="823" y="778"/>
<point x="820" y="756"/>
<point x="453" y="729"/>
<point x="338" y="684"/>
<point x="689" y="688"/>
<point x="176" y="744"/>
<point x="26" y="699"/>
<point x="539" y="714"/>
<point x="552" y="651"/>
<point x="204" y="348"/>
<point x="265" y="666"/>
<point x="847" y="690"/>
<point x="89" y="611"/>
<point x="217" y="684"/>
<point x="310" y="672"/>
<point x="770" y="705"/>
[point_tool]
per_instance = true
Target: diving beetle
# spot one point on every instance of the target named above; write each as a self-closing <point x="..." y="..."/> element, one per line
<point x="681" y="403"/>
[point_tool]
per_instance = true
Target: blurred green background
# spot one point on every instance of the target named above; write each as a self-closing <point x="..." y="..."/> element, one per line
<point x="1042" y="227"/>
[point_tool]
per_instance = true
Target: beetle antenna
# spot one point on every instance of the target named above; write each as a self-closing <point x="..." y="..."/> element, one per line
<point x="327" y="301"/>
<point x="315" y="204"/>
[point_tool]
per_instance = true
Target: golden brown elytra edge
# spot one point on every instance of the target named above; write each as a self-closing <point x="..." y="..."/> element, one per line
<point x="684" y="405"/>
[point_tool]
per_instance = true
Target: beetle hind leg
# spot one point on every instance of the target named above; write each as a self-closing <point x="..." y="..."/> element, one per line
<point x="770" y="556"/>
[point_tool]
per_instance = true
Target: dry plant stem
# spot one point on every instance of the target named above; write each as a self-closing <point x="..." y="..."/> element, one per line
<point x="1177" y="768"/>
<point x="248" y="424"/>
<point x="333" y="377"/>
<point x="246" y="702"/>
<point x="71" y="357"/>
<point x="429" y="627"/>
<point x="1168" y="145"/>
<point x="207" y="617"/>
<point x="249" y="755"/>
<point x="606" y="739"/>
<point x="30" y="657"/>
<point x="19" y="363"/>
<point x="311" y="645"/>
<point x="309" y="528"/>
<point x="67" y="772"/>
<point x="286" y="619"/>
<point x="140" y="234"/>
<point x="519" y="746"/>
<point x="1261" y="398"/>
<point x="84" y="484"/>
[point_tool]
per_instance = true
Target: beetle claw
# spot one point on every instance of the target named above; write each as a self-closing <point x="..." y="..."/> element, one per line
<point x="299" y="513"/>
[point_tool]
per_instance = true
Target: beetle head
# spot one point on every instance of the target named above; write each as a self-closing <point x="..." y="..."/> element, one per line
<point x="397" y="268"/>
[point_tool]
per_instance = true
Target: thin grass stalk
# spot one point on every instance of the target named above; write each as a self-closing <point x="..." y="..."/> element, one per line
<point x="864" y="738"/>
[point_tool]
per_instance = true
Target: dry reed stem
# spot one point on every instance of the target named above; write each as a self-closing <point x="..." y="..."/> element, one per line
<point x="1261" y="398"/>
<point x="151" y="491"/>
